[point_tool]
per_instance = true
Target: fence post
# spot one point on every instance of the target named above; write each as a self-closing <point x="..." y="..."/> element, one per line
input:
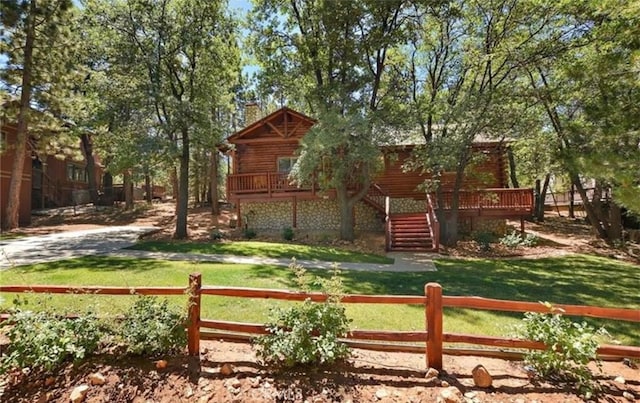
<point x="433" y="291"/>
<point x="193" y="323"/>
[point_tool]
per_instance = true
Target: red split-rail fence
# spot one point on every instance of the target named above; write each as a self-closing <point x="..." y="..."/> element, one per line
<point x="433" y="335"/>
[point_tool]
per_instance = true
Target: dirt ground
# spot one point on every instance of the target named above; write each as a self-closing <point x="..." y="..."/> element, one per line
<point x="368" y="376"/>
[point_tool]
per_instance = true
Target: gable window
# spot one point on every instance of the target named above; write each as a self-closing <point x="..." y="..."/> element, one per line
<point x="285" y="164"/>
<point x="76" y="173"/>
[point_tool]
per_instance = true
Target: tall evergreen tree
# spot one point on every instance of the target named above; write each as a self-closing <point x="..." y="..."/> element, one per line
<point x="37" y="41"/>
<point x="182" y="58"/>
<point x="333" y="57"/>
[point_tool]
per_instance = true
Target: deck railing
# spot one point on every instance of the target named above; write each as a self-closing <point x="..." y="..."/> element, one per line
<point x="434" y="224"/>
<point x="433" y="334"/>
<point x="492" y="198"/>
<point x="265" y="182"/>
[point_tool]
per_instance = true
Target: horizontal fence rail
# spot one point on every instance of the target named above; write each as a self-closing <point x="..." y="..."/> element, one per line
<point x="433" y="335"/>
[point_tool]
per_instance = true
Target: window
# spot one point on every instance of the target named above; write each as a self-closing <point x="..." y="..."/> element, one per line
<point x="76" y="173"/>
<point x="285" y="164"/>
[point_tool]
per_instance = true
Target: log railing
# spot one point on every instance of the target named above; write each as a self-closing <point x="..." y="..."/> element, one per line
<point x="433" y="335"/>
<point x="434" y="224"/>
<point x="488" y="199"/>
<point x="263" y="182"/>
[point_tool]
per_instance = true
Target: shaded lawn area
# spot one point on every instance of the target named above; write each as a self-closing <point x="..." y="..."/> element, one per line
<point x="583" y="280"/>
<point x="265" y="249"/>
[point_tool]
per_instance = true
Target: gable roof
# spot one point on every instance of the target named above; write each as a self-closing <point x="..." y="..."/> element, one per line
<point x="267" y="120"/>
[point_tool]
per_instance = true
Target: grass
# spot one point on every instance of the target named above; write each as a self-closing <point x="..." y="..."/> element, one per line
<point x="583" y="280"/>
<point x="265" y="249"/>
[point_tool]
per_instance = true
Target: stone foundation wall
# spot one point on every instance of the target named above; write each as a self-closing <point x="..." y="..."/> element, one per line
<point x="267" y="215"/>
<point x="318" y="215"/>
<point x="399" y="206"/>
<point x="478" y="224"/>
<point x="311" y="215"/>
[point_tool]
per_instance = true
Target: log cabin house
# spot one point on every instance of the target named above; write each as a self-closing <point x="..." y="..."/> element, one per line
<point x="262" y="154"/>
<point x="47" y="181"/>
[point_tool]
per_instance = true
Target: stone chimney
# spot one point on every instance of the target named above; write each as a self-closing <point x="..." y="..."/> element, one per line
<point x="252" y="113"/>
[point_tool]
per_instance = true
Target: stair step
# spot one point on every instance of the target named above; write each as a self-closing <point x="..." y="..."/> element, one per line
<point x="403" y="249"/>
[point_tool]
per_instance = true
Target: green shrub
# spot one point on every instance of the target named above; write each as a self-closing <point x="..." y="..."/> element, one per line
<point x="514" y="239"/>
<point x="570" y="348"/>
<point x="308" y="333"/>
<point x="483" y="239"/>
<point x="288" y="234"/>
<point x="530" y="240"/>
<point x="249" y="233"/>
<point x="43" y="340"/>
<point x="511" y="240"/>
<point x="216" y="235"/>
<point x="152" y="328"/>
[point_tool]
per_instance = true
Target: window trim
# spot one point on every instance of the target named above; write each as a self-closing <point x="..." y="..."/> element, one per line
<point x="76" y="173"/>
<point x="292" y="161"/>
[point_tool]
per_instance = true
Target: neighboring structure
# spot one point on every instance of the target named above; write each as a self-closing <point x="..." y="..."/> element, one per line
<point x="264" y="152"/>
<point x="46" y="181"/>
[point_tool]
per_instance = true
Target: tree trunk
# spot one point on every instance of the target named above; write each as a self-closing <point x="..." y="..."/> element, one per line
<point x="512" y="168"/>
<point x="197" y="171"/>
<point x="128" y="190"/>
<point x="615" y="221"/>
<point x="148" y="189"/>
<point x="175" y="188"/>
<point x="543" y="196"/>
<point x="594" y="216"/>
<point x="12" y="219"/>
<point x="87" y="145"/>
<point x="347" y="232"/>
<point x="107" y="181"/>
<point x="183" y="194"/>
<point x="572" y="191"/>
<point x="536" y="198"/>
<point x="450" y="232"/>
<point x="215" y="208"/>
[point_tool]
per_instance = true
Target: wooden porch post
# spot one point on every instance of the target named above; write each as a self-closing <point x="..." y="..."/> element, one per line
<point x="294" y="212"/>
<point x="193" y="329"/>
<point x="433" y="292"/>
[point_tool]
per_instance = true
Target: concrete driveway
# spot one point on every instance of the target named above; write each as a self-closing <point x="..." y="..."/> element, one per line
<point x="67" y="245"/>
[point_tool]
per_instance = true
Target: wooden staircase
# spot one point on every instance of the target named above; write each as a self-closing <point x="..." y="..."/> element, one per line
<point x="410" y="232"/>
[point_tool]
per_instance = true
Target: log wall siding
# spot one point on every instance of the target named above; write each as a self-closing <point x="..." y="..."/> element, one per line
<point x="258" y="150"/>
<point x="263" y="157"/>
<point x="488" y="173"/>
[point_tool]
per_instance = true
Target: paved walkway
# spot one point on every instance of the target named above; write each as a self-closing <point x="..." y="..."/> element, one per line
<point x="403" y="262"/>
<point x="68" y="245"/>
<point x="111" y="241"/>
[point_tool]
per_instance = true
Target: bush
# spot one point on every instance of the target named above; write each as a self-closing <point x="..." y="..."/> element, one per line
<point x="216" y="235"/>
<point x="570" y="348"/>
<point x="483" y="239"/>
<point x="288" y="234"/>
<point x="152" y="328"/>
<point x="514" y="239"/>
<point x="307" y="333"/>
<point x="249" y="233"/>
<point x="43" y="340"/>
<point x="530" y="240"/>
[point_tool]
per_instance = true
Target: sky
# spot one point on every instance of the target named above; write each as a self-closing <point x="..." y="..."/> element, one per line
<point x="241" y="6"/>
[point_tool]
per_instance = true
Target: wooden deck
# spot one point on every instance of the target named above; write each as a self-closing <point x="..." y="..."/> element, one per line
<point x="412" y="231"/>
<point x="494" y="202"/>
<point x="497" y="202"/>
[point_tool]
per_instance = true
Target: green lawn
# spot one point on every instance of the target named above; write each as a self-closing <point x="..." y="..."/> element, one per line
<point x="571" y="280"/>
<point x="265" y="249"/>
